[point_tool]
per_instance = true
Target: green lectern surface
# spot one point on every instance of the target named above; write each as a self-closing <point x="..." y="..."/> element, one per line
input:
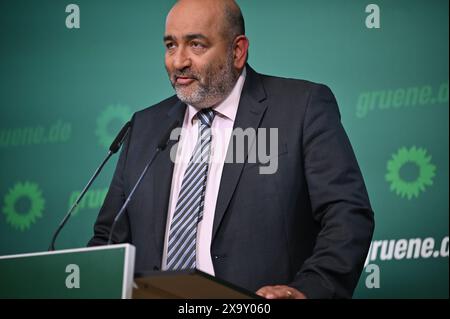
<point x="98" y="272"/>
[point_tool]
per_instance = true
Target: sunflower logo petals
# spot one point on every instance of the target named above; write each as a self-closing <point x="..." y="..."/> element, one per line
<point x="30" y="192"/>
<point x="418" y="157"/>
<point x="112" y="113"/>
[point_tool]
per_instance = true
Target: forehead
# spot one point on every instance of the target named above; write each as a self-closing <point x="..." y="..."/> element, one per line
<point x="194" y="18"/>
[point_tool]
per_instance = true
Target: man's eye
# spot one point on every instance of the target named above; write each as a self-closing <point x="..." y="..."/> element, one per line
<point x="197" y="45"/>
<point x="170" y="45"/>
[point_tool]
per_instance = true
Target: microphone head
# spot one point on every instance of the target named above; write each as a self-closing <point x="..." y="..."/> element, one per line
<point x="117" y="143"/>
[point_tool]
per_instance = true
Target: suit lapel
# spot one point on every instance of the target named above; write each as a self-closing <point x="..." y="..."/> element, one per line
<point x="249" y="115"/>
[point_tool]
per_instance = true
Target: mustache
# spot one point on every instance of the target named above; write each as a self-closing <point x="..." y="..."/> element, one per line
<point x="185" y="73"/>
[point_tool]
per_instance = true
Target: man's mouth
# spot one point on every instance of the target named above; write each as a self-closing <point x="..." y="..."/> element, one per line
<point x="183" y="80"/>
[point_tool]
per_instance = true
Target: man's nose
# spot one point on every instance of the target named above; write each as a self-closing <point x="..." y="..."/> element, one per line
<point x="181" y="59"/>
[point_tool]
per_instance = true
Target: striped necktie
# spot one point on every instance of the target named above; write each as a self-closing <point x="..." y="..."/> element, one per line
<point x="189" y="208"/>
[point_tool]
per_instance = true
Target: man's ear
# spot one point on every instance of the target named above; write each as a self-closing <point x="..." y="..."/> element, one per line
<point x="240" y="51"/>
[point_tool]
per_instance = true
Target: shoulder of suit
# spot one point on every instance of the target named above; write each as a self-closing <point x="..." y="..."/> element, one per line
<point x="157" y="109"/>
<point x="284" y="85"/>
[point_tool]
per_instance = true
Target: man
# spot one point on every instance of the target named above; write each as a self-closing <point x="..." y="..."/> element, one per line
<point x="302" y="231"/>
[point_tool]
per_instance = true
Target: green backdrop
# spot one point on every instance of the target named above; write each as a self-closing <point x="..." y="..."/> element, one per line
<point x="65" y="92"/>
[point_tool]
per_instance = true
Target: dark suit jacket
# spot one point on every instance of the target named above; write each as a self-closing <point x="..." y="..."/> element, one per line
<point x="309" y="225"/>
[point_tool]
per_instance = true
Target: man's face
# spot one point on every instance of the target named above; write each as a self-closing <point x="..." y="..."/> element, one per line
<point x="199" y="59"/>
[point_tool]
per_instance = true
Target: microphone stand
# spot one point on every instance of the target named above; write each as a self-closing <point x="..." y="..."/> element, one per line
<point x="115" y="145"/>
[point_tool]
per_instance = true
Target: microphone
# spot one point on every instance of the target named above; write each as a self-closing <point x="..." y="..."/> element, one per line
<point x="161" y="146"/>
<point x="115" y="146"/>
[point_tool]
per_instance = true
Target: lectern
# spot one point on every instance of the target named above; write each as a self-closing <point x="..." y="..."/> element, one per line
<point x="103" y="272"/>
<point x="188" y="284"/>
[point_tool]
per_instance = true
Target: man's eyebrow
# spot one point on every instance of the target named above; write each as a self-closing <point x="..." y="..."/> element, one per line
<point x="187" y="37"/>
<point x="193" y="36"/>
<point x="168" y="38"/>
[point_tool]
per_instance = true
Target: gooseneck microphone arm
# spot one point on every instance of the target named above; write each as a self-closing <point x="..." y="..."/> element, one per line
<point x="115" y="146"/>
<point x="161" y="146"/>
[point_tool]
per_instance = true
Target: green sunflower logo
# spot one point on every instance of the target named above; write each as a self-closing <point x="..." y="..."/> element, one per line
<point x="23" y="193"/>
<point x="117" y="114"/>
<point x="426" y="172"/>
